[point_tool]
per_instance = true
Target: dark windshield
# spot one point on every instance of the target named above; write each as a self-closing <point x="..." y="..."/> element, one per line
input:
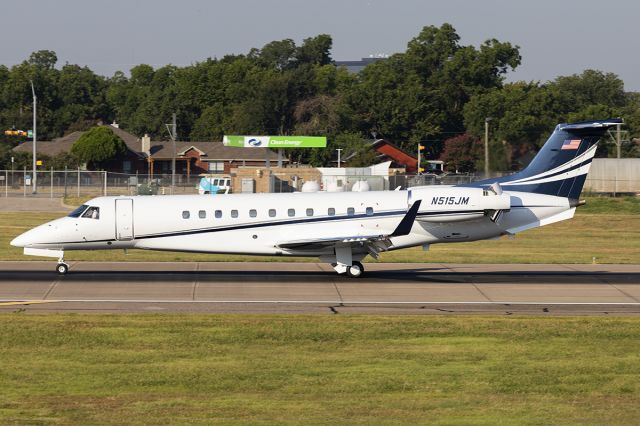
<point x="77" y="212"/>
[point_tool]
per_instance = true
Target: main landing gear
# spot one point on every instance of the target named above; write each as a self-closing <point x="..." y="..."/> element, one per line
<point x="355" y="270"/>
<point x="343" y="262"/>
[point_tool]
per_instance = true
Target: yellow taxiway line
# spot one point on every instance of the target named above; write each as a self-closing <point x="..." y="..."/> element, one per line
<point x="27" y="302"/>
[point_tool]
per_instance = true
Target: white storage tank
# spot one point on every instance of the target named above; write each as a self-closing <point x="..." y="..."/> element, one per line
<point x="360" y="186"/>
<point x="311" y="186"/>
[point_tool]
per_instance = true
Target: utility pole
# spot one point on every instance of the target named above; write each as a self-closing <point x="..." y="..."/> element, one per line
<point x="486" y="146"/>
<point x="173" y="133"/>
<point x="339" y="150"/>
<point x="174" y="136"/>
<point x="34" y="178"/>
<point x="419" y="157"/>
<point x="618" y="141"/>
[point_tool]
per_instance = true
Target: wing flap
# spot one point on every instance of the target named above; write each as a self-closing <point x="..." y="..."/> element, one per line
<point x="374" y="243"/>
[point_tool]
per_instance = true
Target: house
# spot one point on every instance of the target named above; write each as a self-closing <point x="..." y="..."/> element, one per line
<point x="145" y="156"/>
<point x="134" y="159"/>
<point x="206" y="157"/>
<point x="397" y="156"/>
<point x="387" y="151"/>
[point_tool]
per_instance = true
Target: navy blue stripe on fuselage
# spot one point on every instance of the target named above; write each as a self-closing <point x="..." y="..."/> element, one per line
<point x="295" y="222"/>
<point x="281" y="223"/>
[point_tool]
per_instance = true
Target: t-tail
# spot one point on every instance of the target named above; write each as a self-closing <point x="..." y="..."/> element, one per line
<point x="561" y="166"/>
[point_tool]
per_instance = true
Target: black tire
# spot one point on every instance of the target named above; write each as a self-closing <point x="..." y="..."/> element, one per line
<point x="62" y="268"/>
<point x="355" y="270"/>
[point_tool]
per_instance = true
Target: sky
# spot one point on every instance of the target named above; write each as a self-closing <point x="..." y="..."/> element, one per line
<point x="560" y="37"/>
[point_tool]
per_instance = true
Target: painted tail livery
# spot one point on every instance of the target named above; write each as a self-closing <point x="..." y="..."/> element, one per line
<point x="561" y="166"/>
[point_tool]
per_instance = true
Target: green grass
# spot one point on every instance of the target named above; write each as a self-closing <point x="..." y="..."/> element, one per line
<point x="611" y="205"/>
<point x="607" y="229"/>
<point x="74" y="202"/>
<point x="221" y="369"/>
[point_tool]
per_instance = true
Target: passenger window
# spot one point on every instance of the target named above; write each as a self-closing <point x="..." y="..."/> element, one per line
<point x="234" y="213"/>
<point x="291" y="212"/>
<point x="218" y="214"/>
<point x="185" y="214"/>
<point x="369" y="211"/>
<point x="272" y="212"/>
<point x="253" y="213"/>
<point x="92" y="213"/>
<point x="331" y="211"/>
<point x="202" y="214"/>
<point x="309" y="212"/>
<point x="351" y="211"/>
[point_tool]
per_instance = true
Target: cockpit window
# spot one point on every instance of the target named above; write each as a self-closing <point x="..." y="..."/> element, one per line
<point x="77" y="212"/>
<point x="92" y="213"/>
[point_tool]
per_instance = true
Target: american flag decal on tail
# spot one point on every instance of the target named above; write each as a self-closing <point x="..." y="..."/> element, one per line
<point x="571" y="144"/>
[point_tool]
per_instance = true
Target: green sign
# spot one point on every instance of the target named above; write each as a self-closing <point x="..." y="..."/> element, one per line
<point x="276" y="141"/>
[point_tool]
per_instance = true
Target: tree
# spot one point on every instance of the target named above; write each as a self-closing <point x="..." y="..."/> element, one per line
<point x="210" y="125"/>
<point x="591" y="87"/>
<point x="277" y="54"/>
<point x="315" y="50"/>
<point x="462" y="153"/>
<point x="46" y="59"/>
<point x="521" y="113"/>
<point x="317" y="116"/>
<point x="97" y="146"/>
<point x="421" y="93"/>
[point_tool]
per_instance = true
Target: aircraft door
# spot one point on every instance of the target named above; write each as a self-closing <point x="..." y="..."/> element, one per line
<point x="124" y="219"/>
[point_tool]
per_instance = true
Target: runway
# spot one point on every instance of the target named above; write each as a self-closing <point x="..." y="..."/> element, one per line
<point x="278" y="287"/>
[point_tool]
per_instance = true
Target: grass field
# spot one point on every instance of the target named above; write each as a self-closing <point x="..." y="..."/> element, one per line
<point x="196" y="369"/>
<point x="607" y="229"/>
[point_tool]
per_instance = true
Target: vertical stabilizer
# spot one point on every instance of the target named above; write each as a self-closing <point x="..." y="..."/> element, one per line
<point x="561" y="166"/>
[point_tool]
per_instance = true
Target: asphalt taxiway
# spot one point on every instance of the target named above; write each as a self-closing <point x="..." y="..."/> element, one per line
<point x="255" y="287"/>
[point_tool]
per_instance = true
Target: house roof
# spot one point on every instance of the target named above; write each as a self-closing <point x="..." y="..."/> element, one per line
<point x="64" y="144"/>
<point x="210" y="151"/>
<point x="51" y="148"/>
<point x="160" y="150"/>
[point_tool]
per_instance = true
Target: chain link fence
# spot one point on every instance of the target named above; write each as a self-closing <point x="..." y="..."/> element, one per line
<point x="83" y="183"/>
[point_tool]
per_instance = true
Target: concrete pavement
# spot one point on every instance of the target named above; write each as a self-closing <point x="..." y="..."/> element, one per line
<point x="33" y="204"/>
<point x="314" y="287"/>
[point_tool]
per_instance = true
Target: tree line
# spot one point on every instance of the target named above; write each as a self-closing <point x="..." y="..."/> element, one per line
<point x="437" y="92"/>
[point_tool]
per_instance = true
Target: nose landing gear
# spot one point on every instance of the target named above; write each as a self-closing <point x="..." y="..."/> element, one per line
<point x="62" y="268"/>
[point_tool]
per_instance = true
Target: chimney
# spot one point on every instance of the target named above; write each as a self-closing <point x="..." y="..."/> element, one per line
<point x="146" y="144"/>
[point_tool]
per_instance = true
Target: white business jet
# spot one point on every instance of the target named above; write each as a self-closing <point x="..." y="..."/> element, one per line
<point x="339" y="228"/>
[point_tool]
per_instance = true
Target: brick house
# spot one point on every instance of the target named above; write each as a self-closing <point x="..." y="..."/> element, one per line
<point x="207" y="157"/>
<point x="145" y="156"/>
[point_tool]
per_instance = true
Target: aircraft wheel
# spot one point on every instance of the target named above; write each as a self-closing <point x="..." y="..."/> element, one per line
<point x="356" y="270"/>
<point x="62" y="268"/>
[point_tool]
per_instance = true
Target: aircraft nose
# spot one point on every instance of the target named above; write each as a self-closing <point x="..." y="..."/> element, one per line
<point x="23" y="240"/>
<point x="19" y="241"/>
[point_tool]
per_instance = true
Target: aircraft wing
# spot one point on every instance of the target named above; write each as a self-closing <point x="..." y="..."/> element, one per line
<point x="374" y="243"/>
